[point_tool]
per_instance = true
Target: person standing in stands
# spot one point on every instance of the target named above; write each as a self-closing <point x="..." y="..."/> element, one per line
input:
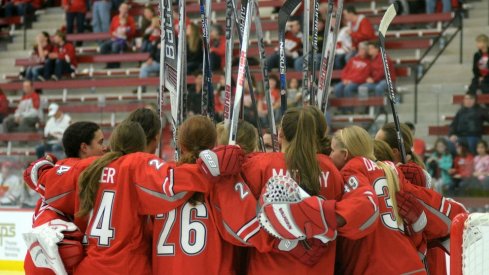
<point x="27" y="113"/>
<point x="376" y="81"/>
<point x="122" y="30"/>
<point x="62" y="60"/>
<point x="75" y="12"/>
<point x="53" y="132"/>
<point x="360" y="28"/>
<point x="467" y="126"/>
<point x="480" y="66"/>
<point x="101" y="15"/>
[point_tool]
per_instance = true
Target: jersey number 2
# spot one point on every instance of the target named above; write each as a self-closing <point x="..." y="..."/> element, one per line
<point x="192" y="232"/>
<point x="101" y="225"/>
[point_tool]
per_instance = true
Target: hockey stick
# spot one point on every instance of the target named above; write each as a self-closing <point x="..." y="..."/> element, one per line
<point x="181" y="77"/>
<point x="229" y="55"/>
<point x="161" y="101"/>
<point x="266" y="81"/>
<point x="207" y="88"/>
<point x="283" y="16"/>
<point x="319" y="93"/>
<point x="261" y="143"/>
<point x="389" y="15"/>
<point x="306" y="47"/>
<point x="241" y="73"/>
<point x="331" y="51"/>
<point x="311" y="85"/>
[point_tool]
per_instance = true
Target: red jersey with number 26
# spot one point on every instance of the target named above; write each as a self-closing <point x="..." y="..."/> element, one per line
<point x="386" y="250"/>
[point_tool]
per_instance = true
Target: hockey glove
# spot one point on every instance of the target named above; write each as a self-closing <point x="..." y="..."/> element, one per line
<point x="289" y="213"/>
<point x="223" y="160"/>
<point x="411" y="210"/>
<point x="34" y="171"/>
<point x="414" y="174"/>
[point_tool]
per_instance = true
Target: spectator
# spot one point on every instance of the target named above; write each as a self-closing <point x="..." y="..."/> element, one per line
<point x="299" y="62"/>
<point x="62" y="60"/>
<point x="3" y="106"/>
<point x="194" y="96"/>
<point x="27" y="113"/>
<point x="217" y="47"/>
<point x="194" y="49"/>
<point x="360" y="28"/>
<point x="101" y="15"/>
<point x="344" y="48"/>
<point x="40" y="53"/>
<point x="293" y="45"/>
<point x="481" y="164"/>
<point x="463" y="167"/>
<point x="152" y="64"/>
<point x="480" y="66"/>
<point x="75" y="11"/>
<point x="439" y="164"/>
<point x="152" y="31"/>
<point x="294" y="96"/>
<point x="219" y="96"/>
<point x="419" y="146"/>
<point x="431" y="6"/>
<point x="468" y="122"/>
<point x="53" y="132"/>
<point x="376" y="81"/>
<point x="10" y="185"/>
<point x="356" y="72"/>
<point x="122" y="29"/>
<point x="18" y="7"/>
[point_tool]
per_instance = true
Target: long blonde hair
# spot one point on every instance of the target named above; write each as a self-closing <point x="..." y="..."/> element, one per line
<point x="128" y="137"/>
<point x="358" y="143"/>
<point x="299" y="129"/>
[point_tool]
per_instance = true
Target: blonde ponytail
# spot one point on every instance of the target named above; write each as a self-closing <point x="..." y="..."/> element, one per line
<point x="392" y="186"/>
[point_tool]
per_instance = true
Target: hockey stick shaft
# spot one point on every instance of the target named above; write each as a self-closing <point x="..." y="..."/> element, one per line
<point x="229" y="56"/>
<point x="207" y="88"/>
<point x="181" y="73"/>
<point x="389" y="15"/>
<point x="241" y="74"/>
<point x="312" y="83"/>
<point x="306" y="47"/>
<point x="324" y="56"/>
<point x="161" y="102"/>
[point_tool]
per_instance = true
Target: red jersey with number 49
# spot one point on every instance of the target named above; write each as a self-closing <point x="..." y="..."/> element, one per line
<point x="260" y="167"/>
<point x="386" y="250"/>
<point x="199" y="238"/>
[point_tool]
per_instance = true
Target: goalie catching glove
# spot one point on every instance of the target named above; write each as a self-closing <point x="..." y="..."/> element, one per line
<point x="223" y="160"/>
<point x="289" y="213"/>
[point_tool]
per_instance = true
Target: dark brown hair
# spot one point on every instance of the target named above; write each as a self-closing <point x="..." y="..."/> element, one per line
<point x="390" y="136"/>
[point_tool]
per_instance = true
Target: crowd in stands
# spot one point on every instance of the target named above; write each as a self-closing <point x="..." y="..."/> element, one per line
<point x="13" y="191"/>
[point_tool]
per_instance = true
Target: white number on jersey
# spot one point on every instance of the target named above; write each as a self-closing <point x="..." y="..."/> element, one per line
<point x="101" y="226"/>
<point x="242" y="192"/>
<point x="192" y="232"/>
<point x="388" y="218"/>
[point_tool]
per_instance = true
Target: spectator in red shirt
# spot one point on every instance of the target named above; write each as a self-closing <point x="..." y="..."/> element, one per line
<point x="75" y="11"/>
<point x="122" y="29"/>
<point x="40" y="53"/>
<point x="217" y="47"/>
<point x="463" y="165"/>
<point x="62" y="60"/>
<point x="3" y="106"/>
<point x="360" y="28"/>
<point x="27" y="113"/>
<point x="293" y="45"/>
<point x="356" y="72"/>
<point x="376" y="81"/>
<point x="480" y="66"/>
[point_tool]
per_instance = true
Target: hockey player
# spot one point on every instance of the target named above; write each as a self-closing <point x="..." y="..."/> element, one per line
<point x="317" y="175"/>
<point x="353" y="153"/>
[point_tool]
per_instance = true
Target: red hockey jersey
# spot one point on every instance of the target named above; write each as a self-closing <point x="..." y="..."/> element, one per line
<point x="386" y="250"/>
<point x="259" y="168"/>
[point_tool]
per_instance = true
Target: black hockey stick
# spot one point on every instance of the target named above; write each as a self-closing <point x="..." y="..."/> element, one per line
<point x="228" y="66"/>
<point x="306" y="47"/>
<point x="389" y="15"/>
<point x="311" y="85"/>
<point x="207" y="88"/>
<point x="283" y="16"/>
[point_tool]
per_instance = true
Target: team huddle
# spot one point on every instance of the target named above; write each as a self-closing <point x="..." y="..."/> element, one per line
<point x="218" y="209"/>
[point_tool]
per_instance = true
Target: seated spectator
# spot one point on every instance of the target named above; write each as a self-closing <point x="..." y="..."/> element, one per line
<point x="356" y="72"/>
<point x="480" y="66"/>
<point x="439" y="165"/>
<point x="194" y="95"/>
<point x="151" y="32"/>
<point x="3" y="106"/>
<point x="40" y="53"/>
<point x="122" y="29"/>
<point x="419" y="146"/>
<point x="468" y="123"/>
<point x="376" y="81"/>
<point x="10" y="185"/>
<point x="360" y="29"/>
<point x="217" y="47"/>
<point x="194" y="49"/>
<point x="293" y="45"/>
<point x="53" y="132"/>
<point x="101" y="15"/>
<point x="299" y="62"/>
<point x="75" y="12"/>
<point x="152" y="64"/>
<point x="62" y="61"/>
<point x="344" y="48"/>
<point x="18" y="8"/>
<point x="481" y="164"/>
<point x="294" y="95"/>
<point x="27" y="113"/>
<point x="463" y="168"/>
<point x="431" y="6"/>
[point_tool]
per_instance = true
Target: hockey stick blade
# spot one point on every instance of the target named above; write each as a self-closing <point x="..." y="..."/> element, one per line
<point x="390" y="14"/>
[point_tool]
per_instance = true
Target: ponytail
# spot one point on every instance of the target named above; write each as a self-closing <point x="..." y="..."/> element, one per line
<point x="128" y="137"/>
<point x="299" y="128"/>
